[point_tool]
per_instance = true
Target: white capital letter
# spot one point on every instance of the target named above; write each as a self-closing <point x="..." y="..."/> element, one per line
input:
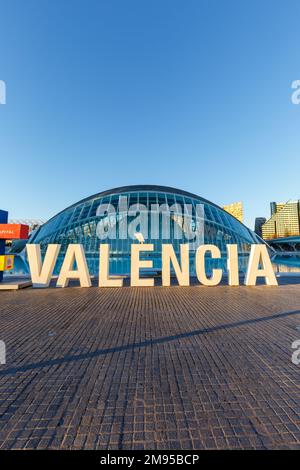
<point x="104" y="279"/>
<point x="74" y="253"/>
<point x="41" y="272"/>
<point x="136" y="264"/>
<point x="168" y="257"/>
<point x="233" y="265"/>
<point x="200" y="265"/>
<point x="259" y="254"/>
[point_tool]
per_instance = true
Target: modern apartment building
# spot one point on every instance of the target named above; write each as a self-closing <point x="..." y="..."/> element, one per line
<point x="259" y="222"/>
<point x="284" y="220"/>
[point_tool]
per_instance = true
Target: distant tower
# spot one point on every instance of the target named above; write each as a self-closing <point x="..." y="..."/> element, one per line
<point x="259" y="221"/>
<point x="235" y="209"/>
<point x="284" y="220"/>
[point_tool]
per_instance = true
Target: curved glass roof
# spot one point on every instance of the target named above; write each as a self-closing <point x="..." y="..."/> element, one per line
<point x="78" y="223"/>
<point x="142" y="188"/>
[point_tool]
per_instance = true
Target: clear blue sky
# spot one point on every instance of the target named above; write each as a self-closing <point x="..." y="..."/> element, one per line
<point x="191" y="94"/>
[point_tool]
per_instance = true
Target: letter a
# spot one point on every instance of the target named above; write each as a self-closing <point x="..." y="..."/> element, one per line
<point x="259" y="254"/>
<point x="74" y="253"/>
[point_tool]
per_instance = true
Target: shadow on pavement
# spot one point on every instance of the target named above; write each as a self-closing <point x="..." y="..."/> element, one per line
<point x="146" y="343"/>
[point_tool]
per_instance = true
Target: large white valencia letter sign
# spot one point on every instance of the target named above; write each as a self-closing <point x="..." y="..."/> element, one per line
<point x="259" y="266"/>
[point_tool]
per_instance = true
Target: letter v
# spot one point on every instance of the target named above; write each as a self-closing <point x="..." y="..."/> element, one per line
<point x="41" y="272"/>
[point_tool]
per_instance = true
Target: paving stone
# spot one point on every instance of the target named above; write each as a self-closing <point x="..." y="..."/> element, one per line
<point x="150" y="368"/>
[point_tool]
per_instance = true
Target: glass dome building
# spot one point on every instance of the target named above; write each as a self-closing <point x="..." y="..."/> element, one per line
<point x="98" y="219"/>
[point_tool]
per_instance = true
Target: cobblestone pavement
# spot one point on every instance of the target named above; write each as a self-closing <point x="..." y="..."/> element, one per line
<point x="153" y="368"/>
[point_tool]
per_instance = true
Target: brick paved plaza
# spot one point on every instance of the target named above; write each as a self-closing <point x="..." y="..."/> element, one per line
<point x="153" y="368"/>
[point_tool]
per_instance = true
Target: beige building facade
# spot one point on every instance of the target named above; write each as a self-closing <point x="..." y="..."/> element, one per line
<point x="284" y="221"/>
